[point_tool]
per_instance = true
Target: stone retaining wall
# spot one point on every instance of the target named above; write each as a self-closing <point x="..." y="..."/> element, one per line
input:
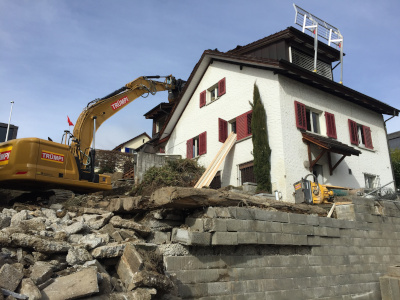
<point x="250" y="253"/>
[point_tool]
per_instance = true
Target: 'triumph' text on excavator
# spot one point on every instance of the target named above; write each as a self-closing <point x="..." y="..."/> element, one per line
<point x="37" y="164"/>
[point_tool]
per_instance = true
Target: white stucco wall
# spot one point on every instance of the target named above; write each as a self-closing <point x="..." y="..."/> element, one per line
<point x="136" y="143"/>
<point x="278" y="94"/>
<point x="374" y="161"/>
<point x="239" y="91"/>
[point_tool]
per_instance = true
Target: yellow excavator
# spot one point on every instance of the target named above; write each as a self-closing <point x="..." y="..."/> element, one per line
<point x="36" y="164"/>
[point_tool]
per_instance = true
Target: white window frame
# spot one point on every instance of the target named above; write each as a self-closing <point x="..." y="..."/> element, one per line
<point x="210" y="91"/>
<point x="310" y="113"/>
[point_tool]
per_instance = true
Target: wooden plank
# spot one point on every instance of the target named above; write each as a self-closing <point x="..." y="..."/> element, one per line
<point x="212" y="169"/>
<point x="331" y="211"/>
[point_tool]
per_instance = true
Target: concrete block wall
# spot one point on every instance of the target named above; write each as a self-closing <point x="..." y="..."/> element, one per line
<point x="250" y="253"/>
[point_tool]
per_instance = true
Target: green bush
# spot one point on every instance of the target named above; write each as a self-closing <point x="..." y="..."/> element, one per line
<point x="179" y="172"/>
<point x="395" y="155"/>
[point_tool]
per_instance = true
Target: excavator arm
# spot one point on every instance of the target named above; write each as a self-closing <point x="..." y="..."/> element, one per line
<point x="99" y="110"/>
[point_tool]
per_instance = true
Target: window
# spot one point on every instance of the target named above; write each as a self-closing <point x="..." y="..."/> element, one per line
<point x="247" y="172"/>
<point x="196" y="146"/>
<point x="243" y="125"/>
<point x="213" y="93"/>
<point x="360" y="135"/>
<point x="309" y="119"/>
<point x="158" y="124"/>
<point x="312" y="118"/>
<point x="370" y="181"/>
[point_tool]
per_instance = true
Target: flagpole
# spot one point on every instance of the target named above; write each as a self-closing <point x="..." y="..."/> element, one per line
<point x="9" y="121"/>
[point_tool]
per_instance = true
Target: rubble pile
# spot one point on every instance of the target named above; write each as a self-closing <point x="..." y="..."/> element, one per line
<point x="107" y="247"/>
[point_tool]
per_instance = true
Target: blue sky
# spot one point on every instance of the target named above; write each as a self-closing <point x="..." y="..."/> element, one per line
<point x="56" y="56"/>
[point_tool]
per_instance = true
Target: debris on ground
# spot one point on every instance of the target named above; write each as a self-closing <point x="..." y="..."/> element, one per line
<point x="106" y="245"/>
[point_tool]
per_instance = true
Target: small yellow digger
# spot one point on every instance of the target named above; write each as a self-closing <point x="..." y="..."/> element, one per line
<point x="312" y="192"/>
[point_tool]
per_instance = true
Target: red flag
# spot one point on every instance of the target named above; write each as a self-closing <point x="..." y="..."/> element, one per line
<point x="69" y="122"/>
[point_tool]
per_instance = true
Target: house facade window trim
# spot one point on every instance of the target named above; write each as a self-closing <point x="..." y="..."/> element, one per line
<point x="360" y="135"/>
<point x="213" y="93"/>
<point x="197" y="145"/>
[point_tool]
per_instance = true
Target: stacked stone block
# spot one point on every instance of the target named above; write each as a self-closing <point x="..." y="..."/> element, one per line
<point x="278" y="255"/>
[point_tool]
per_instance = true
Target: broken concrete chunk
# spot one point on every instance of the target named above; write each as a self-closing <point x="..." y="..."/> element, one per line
<point x="117" y="221"/>
<point x="10" y="277"/>
<point x="130" y="263"/>
<point x="97" y="221"/>
<point x="5" y="239"/>
<point x="95" y="263"/>
<point x="78" y="256"/>
<point x="109" y="229"/>
<point x="110" y="250"/>
<point x="29" y="289"/>
<point x="37" y="256"/>
<point x="5" y="221"/>
<point x="41" y="271"/>
<point x="116" y="236"/>
<point x="9" y="212"/>
<point x="74" y="228"/>
<point x="92" y="241"/>
<point x="72" y="286"/>
<point x="49" y="214"/>
<point x="150" y="279"/>
<point x="38" y="244"/>
<point x="18" y="217"/>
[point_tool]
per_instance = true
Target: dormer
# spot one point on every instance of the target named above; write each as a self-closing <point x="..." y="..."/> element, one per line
<point x="294" y="46"/>
<point x="159" y="115"/>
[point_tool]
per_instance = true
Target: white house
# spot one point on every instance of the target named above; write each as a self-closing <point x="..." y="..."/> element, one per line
<point x="314" y="123"/>
<point x="131" y="145"/>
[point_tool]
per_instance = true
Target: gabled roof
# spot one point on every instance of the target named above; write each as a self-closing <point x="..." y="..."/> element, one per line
<point x="283" y="67"/>
<point x="393" y="135"/>
<point x="120" y="145"/>
<point x="161" y="109"/>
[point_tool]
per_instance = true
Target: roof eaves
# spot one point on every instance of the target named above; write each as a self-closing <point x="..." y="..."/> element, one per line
<point x="335" y="88"/>
<point x="120" y="145"/>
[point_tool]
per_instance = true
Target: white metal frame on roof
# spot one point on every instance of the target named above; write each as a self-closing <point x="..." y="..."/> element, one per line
<point x="322" y="29"/>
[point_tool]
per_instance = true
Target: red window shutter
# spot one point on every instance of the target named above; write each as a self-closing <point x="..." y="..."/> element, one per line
<point x="367" y="137"/>
<point x="162" y="150"/>
<point x="249" y="116"/>
<point x="330" y="125"/>
<point x="300" y="111"/>
<point x="222" y="130"/>
<point x="202" y="98"/>
<point x="189" y="148"/>
<point x="203" y="143"/>
<point x="353" y="132"/>
<point x="242" y="125"/>
<point x="221" y="87"/>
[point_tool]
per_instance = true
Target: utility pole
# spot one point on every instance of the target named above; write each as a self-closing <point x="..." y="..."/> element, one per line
<point x="9" y="121"/>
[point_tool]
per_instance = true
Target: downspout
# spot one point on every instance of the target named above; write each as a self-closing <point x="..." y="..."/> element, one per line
<point x="387" y="142"/>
